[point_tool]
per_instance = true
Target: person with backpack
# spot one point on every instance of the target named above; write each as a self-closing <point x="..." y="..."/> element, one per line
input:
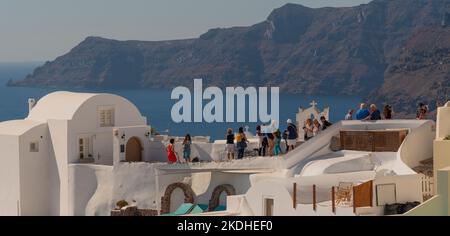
<point x="292" y="135"/>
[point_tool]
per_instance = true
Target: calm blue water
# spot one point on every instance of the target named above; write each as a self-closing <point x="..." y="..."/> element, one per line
<point x="156" y="104"/>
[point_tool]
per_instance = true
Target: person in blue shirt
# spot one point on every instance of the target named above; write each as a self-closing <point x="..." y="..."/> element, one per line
<point x="375" y="114"/>
<point x="363" y="112"/>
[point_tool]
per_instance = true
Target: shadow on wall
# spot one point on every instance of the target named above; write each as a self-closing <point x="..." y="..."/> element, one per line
<point x="55" y="182"/>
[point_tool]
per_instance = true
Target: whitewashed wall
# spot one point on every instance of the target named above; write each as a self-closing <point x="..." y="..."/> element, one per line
<point x="9" y="176"/>
<point x="61" y="149"/>
<point x="37" y="169"/>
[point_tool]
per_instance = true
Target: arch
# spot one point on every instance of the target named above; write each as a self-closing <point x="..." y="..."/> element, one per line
<point x="215" y="197"/>
<point x="165" y="200"/>
<point x="133" y="150"/>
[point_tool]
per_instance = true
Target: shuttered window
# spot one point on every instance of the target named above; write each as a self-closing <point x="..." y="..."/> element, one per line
<point x="106" y="116"/>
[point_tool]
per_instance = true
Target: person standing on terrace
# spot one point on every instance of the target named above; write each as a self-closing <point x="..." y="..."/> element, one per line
<point x="270" y="143"/>
<point x="349" y="115"/>
<point x="187" y="148"/>
<point x="292" y="135"/>
<point x="171" y="156"/>
<point x="363" y="112"/>
<point x="260" y="136"/>
<point x="422" y="112"/>
<point x="375" y="114"/>
<point x="285" y="138"/>
<point x="241" y="142"/>
<point x="230" y="144"/>
<point x="277" y="143"/>
<point x="265" y="145"/>
<point x="308" y="128"/>
<point x="316" y="127"/>
<point x="387" y="112"/>
<point x="325" y="123"/>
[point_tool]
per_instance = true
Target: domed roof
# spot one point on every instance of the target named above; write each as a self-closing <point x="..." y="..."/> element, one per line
<point x="60" y="105"/>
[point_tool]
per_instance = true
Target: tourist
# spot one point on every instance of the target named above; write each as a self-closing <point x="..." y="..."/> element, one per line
<point x="172" y="158"/>
<point x="349" y="115"/>
<point x="316" y="127"/>
<point x="265" y="145"/>
<point x="362" y="113"/>
<point x="325" y="123"/>
<point x="270" y="143"/>
<point x="187" y="148"/>
<point x="230" y="144"/>
<point x="308" y="128"/>
<point x="260" y="136"/>
<point x="387" y="112"/>
<point x="277" y="143"/>
<point x="422" y="112"/>
<point x="285" y="138"/>
<point x="241" y="142"/>
<point x="292" y="135"/>
<point x="375" y="114"/>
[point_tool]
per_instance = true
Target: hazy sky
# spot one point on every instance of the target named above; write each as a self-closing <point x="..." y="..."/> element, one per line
<point x="40" y="30"/>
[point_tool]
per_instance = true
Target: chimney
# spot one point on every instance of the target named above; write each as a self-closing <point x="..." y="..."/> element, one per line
<point x="31" y="104"/>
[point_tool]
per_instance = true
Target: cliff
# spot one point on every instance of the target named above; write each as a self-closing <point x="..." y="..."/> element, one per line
<point x="393" y="51"/>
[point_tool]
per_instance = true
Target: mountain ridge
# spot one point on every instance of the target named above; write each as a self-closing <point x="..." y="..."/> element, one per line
<point x="326" y="51"/>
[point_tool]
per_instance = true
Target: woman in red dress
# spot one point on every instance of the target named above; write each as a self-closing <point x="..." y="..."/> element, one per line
<point x="171" y="152"/>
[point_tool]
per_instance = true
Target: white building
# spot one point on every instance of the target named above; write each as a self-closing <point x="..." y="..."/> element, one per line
<point x="62" y="128"/>
<point x="306" y="179"/>
<point x="79" y="154"/>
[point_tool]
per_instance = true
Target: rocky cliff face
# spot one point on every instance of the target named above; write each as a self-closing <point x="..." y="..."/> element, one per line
<point x="420" y="73"/>
<point x="390" y="51"/>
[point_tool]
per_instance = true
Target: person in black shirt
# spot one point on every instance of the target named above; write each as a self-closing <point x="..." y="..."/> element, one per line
<point x="260" y="136"/>
<point x="325" y="123"/>
<point x="387" y="112"/>
<point x="230" y="144"/>
<point x="265" y="145"/>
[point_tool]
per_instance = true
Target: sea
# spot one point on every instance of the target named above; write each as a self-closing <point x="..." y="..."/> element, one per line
<point x="156" y="104"/>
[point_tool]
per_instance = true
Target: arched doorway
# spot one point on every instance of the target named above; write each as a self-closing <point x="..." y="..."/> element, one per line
<point x="215" y="198"/>
<point x="165" y="200"/>
<point x="133" y="150"/>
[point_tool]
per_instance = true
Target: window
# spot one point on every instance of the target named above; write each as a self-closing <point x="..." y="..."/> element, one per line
<point x="34" y="147"/>
<point x="84" y="147"/>
<point x="81" y="148"/>
<point x="106" y="116"/>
